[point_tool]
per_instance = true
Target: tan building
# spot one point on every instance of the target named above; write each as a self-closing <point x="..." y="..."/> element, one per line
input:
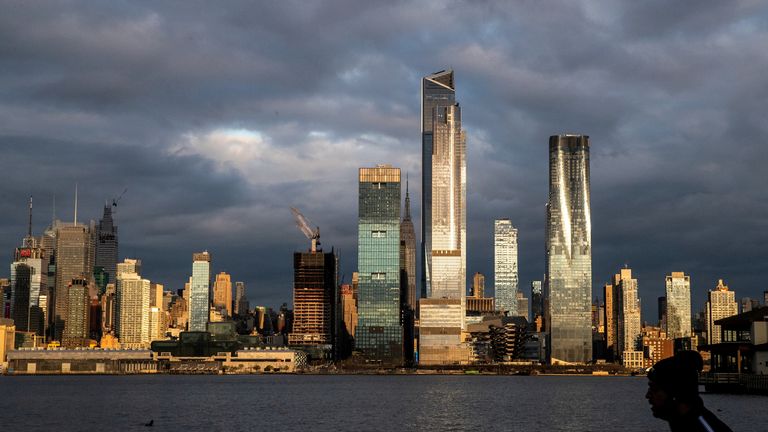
<point x="610" y="319"/>
<point x="132" y="306"/>
<point x="656" y="345"/>
<point x="77" y="324"/>
<point x="440" y="332"/>
<point x="628" y="326"/>
<point x="348" y="309"/>
<point x="721" y="304"/>
<point x="478" y="285"/>
<point x="481" y="305"/>
<point x="222" y="293"/>
<point x="7" y="340"/>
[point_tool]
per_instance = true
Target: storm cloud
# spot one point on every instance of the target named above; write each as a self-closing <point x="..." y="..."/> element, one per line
<point x="217" y="118"/>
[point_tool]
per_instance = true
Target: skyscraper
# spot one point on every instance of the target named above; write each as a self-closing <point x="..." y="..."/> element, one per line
<point x="628" y="325"/>
<point x="222" y="293"/>
<point x="106" y="245"/>
<point x="29" y="280"/>
<point x="72" y="261"/>
<point x="537" y="302"/>
<point x="379" y="334"/>
<point x="314" y="288"/>
<point x="77" y="325"/>
<point x="721" y="304"/>
<point x="200" y="288"/>
<point x="678" y="286"/>
<point x="478" y="285"/>
<point x="407" y="279"/>
<point x="444" y="218"/>
<point x="505" y="265"/>
<point x="132" y="306"/>
<point x="568" y="285"/>
<point x="611" y="319"/>
<point x="662" y="312"/>
<point x="241" y="301"/>
<point x="437" y="95"/>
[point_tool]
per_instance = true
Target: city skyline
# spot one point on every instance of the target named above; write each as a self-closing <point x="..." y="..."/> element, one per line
<point x="185" y="196"/>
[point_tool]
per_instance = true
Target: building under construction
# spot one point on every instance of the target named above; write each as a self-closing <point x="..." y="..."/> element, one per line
<point x="314" y="293"/>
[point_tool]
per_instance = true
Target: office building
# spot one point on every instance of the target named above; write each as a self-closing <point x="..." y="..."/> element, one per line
<point x="537" y="300"/>
<point x="505" y="266"/>
<point x="241" y="301"/>
<point x="748" y="304"/>
<point x="73" y="260"/>
<point x="200" y="288"/>
<point x="478" y="285"/>
<point x="132" y="306"/>
<point x="77" y="325"/>
<point x="408" y="256"/>
<point x="440" y="332"/>
<point x="721" y="304"/>
<point x="379" y="334"/>
<point x="662" y="312"/>
<point x="106" y="245"/>
<point x="522" y="306"/>
<point x="222" y="293"/>
<point x="444" y="208"/>
<point x="627" y="304"/>
<point x="408" y="293"/>
<point x="438" y="95"/>
<point x="29" y="279"/>
<point x="314" y="293"/>
<point x="678" y="287"/>
<point x="568" y="283"/>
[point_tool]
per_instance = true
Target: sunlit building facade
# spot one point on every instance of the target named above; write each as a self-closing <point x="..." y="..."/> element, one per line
<point x="505" y="265"/>
<point x="628" y="324"/>
<point x="568" y="284"/>
<point x="721" y="304"/>
<point x="73" y="260"/>
<point x="678" y="288"/>
<point x="444" y="186"/>
<point x="200" y="288"/>
<point x="379" y="334"/>
<point x="222" y="293"/>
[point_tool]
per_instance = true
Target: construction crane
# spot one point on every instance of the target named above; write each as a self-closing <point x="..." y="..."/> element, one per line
<point x="303" y="223"/>
<point x="116" y="200"/>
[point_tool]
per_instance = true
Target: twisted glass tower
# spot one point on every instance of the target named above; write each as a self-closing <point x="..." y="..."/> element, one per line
<point x="568" y="285"/>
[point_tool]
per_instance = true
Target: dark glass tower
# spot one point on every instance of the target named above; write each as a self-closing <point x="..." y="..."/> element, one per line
<point x="106" y="245"/>
<point x="379" y="333"/>
<point x="568" y="285"/>
<point x="407" y="278"/>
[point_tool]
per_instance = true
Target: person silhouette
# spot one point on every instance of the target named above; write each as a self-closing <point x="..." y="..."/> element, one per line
<point x="673" y="392"/>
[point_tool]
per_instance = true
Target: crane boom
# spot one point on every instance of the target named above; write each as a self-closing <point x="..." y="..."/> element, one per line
<point x="303" y="223"/>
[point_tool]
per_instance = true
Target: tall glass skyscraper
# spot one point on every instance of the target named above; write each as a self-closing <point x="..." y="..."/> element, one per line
<point x="568" y="284"/>
<point x="379" y="333"/>
<point x="505" y="265"/>
<point x="199" y="291"/>
<point x="678" y="286"/>
<point x="106" y="245"/>
<point x="437" y="94"/>
<point x="444" y="222"/>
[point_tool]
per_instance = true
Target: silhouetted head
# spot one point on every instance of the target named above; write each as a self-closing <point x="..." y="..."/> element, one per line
<point x="673" y="382"/>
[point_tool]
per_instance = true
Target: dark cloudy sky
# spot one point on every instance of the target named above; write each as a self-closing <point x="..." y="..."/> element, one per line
<point x="218" y="117"/>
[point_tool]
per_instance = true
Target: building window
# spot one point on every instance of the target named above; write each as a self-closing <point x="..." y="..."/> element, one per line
<point x="378" y="234"/>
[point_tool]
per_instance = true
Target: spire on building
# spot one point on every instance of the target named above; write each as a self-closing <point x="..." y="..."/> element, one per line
<point x="407" y="201"/>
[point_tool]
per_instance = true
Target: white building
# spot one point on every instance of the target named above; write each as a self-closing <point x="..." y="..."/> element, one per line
<point x="505" y="266"/>
<point x="132" y="306"/>
<point x="678" y="305"/>
<point x="721" y="304"/>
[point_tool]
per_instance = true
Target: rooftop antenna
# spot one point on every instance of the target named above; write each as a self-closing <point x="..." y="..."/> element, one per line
<point x="29" y="227"/>
<point x="75" y="203"/>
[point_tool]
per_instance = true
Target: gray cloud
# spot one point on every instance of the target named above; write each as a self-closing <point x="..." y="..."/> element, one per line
<point x="219" y="118"/>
